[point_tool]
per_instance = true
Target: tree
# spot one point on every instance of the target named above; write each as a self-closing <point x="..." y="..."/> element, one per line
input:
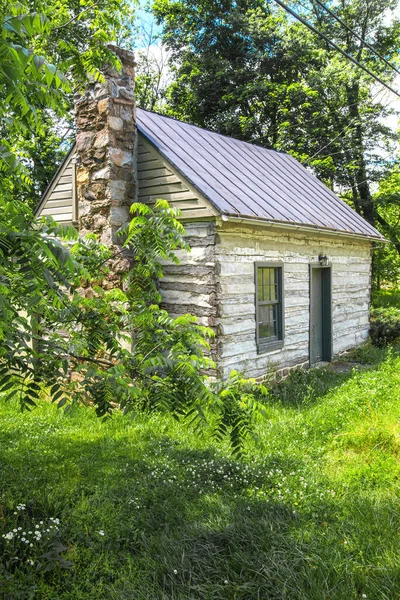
<point x="151" y="79"/>
<point x="46" y="51"/>
<point x="56" y="317"/>
<point x="247" y="69"/>
<point x="63" y="334"/>
<point x="386" y="258"/>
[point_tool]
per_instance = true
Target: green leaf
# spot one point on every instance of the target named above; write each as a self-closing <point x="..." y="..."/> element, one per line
<point x="38" y="61"/>
<point x="50" y="71"/>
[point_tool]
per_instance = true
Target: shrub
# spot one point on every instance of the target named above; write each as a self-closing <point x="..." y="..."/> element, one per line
<point x="385" y="326"/>
<point x="58" y="318"/>
<point x="237" y="404"/>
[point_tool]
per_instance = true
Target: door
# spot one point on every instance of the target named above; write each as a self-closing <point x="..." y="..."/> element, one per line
<point x="320" y="314"/>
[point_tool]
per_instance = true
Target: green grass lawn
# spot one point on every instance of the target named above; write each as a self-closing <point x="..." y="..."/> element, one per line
<point x="150" y="510"/>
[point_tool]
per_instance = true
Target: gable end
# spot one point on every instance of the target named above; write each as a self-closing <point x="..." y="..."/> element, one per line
<point x="58" y="200"/>
<point x="159" y="179"/>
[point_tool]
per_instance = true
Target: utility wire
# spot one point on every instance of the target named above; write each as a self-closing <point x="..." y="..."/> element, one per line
<point x="343" y="52"/>
<point x="348" y="126"/>
<point x="371" y="48"/>
<point x="316" y="119"/>
<point x="292" y="125"/>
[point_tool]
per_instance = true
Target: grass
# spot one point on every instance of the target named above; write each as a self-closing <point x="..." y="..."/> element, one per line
<point x="386" y="298"/>
<point x="149" y="510"/>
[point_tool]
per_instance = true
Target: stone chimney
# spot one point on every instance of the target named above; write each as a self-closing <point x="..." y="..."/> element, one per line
<point x="105" y="147"/>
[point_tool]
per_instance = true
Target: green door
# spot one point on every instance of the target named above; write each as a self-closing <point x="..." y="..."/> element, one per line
<point x="320" y="314"/>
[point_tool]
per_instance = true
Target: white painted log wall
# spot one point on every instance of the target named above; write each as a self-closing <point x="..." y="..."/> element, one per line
<point x="239" y="247"/>
<point x="190" y="286"/>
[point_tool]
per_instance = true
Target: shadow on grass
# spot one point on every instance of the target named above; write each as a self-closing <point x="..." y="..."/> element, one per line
<point x="182" y="523"/>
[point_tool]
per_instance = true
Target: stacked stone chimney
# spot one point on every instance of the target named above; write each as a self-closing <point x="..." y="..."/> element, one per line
<point x="105" y="147"/>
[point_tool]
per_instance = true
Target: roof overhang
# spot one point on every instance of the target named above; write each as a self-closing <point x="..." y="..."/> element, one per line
<point x="301" y="228"/>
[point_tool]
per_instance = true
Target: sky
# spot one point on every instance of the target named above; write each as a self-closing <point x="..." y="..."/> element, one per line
<point x="146" y="20"/>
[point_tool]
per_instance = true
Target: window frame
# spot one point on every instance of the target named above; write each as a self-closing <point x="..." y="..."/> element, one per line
<point x="269" y="344"/>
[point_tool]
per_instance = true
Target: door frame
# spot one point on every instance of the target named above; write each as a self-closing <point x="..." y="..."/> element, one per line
<point x="326" y="282"/>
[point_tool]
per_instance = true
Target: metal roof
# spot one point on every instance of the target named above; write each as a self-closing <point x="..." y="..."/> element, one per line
<point x="245" y="180"/>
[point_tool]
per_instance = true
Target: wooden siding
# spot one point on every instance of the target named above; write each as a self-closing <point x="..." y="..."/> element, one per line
<point x="156" y="179"/>
<point x="58" y="199"/>
<point x="159" y="179"/>
<point x="239" y="247"/>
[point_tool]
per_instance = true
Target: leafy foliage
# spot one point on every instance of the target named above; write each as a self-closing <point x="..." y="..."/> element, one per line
<point x="152" y="235"/>
<point x="238" y="405"/>
<point x="152" y="72"/>
<point x="63" y="333"/>
<point x="28" y="81"/>
<point x="386" y="298"/>
<point x="245" y="68"/>
<point x="46" y="51"/>
<point x="385" y="326"/>
<point x="387" y="258"/>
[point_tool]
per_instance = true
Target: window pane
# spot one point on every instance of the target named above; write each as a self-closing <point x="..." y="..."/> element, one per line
<point x="273" y="291"/>
<point x="268" y="321"/>
<point x="269" y="308"/>
<point x="268" y="278"/>
<point x="267" y="283"/>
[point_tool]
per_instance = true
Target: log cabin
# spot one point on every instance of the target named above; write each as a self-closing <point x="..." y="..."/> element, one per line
<point x="279" y="267"/>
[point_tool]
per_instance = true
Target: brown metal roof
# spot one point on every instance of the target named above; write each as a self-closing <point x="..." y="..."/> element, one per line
<point x="245" y="180"/>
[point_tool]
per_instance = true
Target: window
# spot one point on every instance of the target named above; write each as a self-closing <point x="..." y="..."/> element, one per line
<point x="269" y="306"/>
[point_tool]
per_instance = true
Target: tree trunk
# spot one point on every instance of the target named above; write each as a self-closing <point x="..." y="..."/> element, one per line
<point x="366" y="202"/>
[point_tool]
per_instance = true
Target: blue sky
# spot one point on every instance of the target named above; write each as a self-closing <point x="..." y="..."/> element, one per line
<point x="145" y="18"/>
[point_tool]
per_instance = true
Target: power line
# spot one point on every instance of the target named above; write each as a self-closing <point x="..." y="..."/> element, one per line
<point x="343" y="52"/>
<point x="345" y="128"/>
<point x="292" y="125"/>
<point x="371" y="48"/>
<point x="316" y="119"/>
